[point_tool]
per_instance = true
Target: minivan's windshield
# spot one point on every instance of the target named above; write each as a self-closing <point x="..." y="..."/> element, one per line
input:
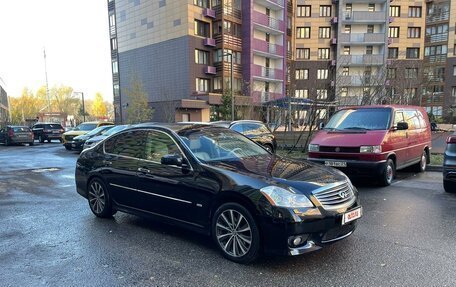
<point x="360" y="119"/>
<point x="85" y="127"/>
<point x="216" y="144"/>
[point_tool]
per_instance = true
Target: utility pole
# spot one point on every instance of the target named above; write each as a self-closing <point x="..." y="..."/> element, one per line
<point x="47" y="86"/>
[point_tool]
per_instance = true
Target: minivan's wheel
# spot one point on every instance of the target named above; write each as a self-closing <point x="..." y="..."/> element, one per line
<point x="99" y="200"/>
<point x="40" y="139"/>
<point x="421" y="165"/>
<point x="449" y="186"/>
<point x="236" y="233"/>
<point x="388" y="173"/>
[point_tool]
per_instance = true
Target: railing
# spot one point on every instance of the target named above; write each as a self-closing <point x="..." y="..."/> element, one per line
<point x="362" y="59"/>
<point x="112" y="30"/>
<point x="265" y="72"/>
<point x="210" y="70"/>
<point x="207" y="12"/>
<point x="437" y="38"/>
<point x="436" y="58"/>
<point x="262" y="96"/>
<point x="362" y="38"/>
<point x="268" y="21"/>
<point x="438" y="17"/>
<point x="364" y="16"/>
<point x="266" y="47"/>
<point x="360" y="80"/>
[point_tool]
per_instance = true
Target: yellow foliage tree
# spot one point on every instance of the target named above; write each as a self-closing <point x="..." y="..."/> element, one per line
<point x="27" y="106"/>
<point x="98" y="106"/>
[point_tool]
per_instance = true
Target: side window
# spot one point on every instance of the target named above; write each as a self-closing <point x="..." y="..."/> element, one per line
<point x="398" y="117"/>
<point x="129" y="144"/>
<point x="159" y="144"/>
<point x="252" y="129"/>
<point x="238" y="128"/>
<point x="423" y="123"/>
<point x="412" y="119"/>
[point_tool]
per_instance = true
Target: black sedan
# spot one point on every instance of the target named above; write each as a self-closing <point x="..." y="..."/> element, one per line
<point x="449" y="165"/>
<point x="78" y="142"/>
<point x="216" y="181"/>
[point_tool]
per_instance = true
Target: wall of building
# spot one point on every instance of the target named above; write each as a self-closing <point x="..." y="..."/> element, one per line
<point x="4" y="107"/>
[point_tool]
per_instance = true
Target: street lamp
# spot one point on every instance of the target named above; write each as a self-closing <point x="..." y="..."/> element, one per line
<point x="231" y="85"/>
<point x="83" y="107"/>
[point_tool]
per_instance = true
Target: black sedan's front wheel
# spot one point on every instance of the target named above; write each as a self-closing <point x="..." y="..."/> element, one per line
<point x="99" y="200"/>
<point x="236" y="233"/>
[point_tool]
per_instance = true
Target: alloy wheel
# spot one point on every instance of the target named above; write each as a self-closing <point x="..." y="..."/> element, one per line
<point x="97" y="197"/>
<point x="233" y="233"/>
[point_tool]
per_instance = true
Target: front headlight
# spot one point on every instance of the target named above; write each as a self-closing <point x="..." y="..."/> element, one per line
<point x="282" y="197"/>
<point x="314" y="147"/>
<point x="370" y="149"/>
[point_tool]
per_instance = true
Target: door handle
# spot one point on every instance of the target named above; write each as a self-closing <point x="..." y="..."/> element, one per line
<point x="107" y="162"/>
<point x="143" y="170"/>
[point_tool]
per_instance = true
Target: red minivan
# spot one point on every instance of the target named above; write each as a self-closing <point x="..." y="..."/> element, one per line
<point x="374" y="141"/>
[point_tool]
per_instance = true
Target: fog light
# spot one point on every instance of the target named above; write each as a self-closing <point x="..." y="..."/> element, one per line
<point x="297" y="241"/>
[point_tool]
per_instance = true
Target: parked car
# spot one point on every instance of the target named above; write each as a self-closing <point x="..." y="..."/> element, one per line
<point x="78" y="142"/>
<point x="255" y="130"/>
<point x="80" y="130"/>
<point x="48" y="131"/>
<point x="16" y="135"/>
<point x="96" y="139"/>
<point x="218" y="182"/>
<point x="374" y="141"/>
<point x="449" y="164"/>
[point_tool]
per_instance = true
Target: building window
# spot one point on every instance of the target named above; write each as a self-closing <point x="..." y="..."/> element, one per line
<point x="348" y="29"/>
<point x="345" y="71"/>
<point x="303" y="33"/>
<point x="231" y="28"/>
<point x="303" y="53"/>
<point x="454" y="70"/>
<point x="202" y="85"/>
<point x="303" y="11"/>
<point x="414" y="32"/>
<point x="302" y="74"/>
<point x="346" y="50"/>
<point x="410" y="93"/>
<point x="201" y="57"/>
<point x="395" y="11"/>
<point x="393" y="53"/>
<point x="322" y="94"/>
<point x="115" y="68"/>
<point x="201" y="28"/>
<point x="302" y="93"/>
<point x="412" y="53"/>
<point x="370" y="29"/>
<point x="411" y="73"/>
<point x="324" y="32"/>
<point x="453" y="92"/>
<point x="369" y="50"/>
<point x="114" y="44"/>
<point x="217" y="28"/>
<point x="325" y="11"/>
<point x="436" y="50"/>
<point x="322" y="74"/>
<point x="217" y="83"/>
<point x="201" y="3"/>
<point x="414" y="12"/>
<point x="391" y="73"/>
<point x="371" y="7"/>
<point x="343" y="92"/>
<point x="393" y="32"/>
<point x="323" y="53"/>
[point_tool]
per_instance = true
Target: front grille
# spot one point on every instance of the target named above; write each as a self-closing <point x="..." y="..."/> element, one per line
<point x="347" y="149"/>
<point x="335" y="195"/>
<point x="69" y="138"/>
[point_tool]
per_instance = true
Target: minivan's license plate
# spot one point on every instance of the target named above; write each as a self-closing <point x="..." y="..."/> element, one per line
<point x="336" y="163"/>
<point x="352" y="215"/>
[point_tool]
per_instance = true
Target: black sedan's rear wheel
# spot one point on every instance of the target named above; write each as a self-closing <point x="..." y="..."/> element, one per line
<point x="99" y="200"/>
<point x="236" y="233"/>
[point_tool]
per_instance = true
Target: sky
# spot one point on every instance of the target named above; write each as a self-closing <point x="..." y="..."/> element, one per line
<point x="76" y="38"/>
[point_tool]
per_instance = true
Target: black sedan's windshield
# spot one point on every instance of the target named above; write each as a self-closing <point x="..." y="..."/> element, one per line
<point x="360" y="119"/>
<point x="216" y="144"/>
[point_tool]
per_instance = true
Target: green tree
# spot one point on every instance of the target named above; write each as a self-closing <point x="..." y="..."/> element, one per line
<point x="98" y="106"/>
<point x="225" y="107"/>
<point x="138" y="106"/>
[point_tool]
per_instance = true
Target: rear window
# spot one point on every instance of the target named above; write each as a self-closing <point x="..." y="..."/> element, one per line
<point x="53" y="126"/>
<point x="20" y="129"/>
<point x="360" y="119"/>
<point x="85" y="127"/>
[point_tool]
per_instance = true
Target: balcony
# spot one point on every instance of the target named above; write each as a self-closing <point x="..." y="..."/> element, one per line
<point x="267" y="49"/>
<point x="362" y="60"/>
<point x="360" y="81"/>
<point x="362" y="38"/>
<point x="263" y="97"/>
<point x="438" y="17"/>
<point x="207" y="12"/>
<point x="210" y="70"/>
<point x="364" y="17"/>
<point x="267" y="74"/>
<point x="209" y="42"/>
<point x="436" y="38"/>
<point x="267" y="24"/>
<point x="271" y="4"/>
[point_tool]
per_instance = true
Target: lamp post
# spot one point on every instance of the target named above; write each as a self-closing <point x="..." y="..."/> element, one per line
<point x="83" y="107"/>
<point x="231" y="85"/>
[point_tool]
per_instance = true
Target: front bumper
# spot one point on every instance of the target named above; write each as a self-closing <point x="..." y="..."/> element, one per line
<point x="356" y="168"/>
<point x="76" y="145"/>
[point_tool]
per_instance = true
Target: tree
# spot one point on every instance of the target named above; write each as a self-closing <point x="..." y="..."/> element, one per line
<point x="27" y="106"/>
<point x="138" y="107"/>
<point x="64" y="100"/>
<point x="99" y="108"/>
<point x="225" y="107"/>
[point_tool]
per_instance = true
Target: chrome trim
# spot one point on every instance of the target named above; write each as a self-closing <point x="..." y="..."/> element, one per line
<point x="151" y="193"/>
<point x="325" y="195"/>
<point x="309" y="247"/>
<point x="338" y="238"/>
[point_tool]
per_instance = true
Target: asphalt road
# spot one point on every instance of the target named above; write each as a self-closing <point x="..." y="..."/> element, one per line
<point x="49" y="237"/>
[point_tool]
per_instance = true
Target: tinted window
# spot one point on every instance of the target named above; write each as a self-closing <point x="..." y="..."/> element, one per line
<point x="20" y="129"/>
<point x="85" y="127"/>
<point x="158" y="145"/>
<point x="115" y="129"/>
<point x="238" y="128"/>
<point x="53" y="126"/>
<point x="129" y="144"/>
<point x="97" y="131"/>
<point x="360" y="119"/>
<point x="38" y="126"/>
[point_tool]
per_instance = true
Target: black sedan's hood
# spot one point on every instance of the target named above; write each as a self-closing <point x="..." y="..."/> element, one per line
<point x="272" y="169"/>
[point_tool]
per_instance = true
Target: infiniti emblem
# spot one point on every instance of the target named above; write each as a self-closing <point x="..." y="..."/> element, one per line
<point x="343" y="194"/>
<point x="337" y="149"/>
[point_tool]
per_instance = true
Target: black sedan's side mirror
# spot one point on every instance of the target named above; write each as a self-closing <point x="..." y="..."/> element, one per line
<point x="402" y="126"/>
<point x="172" y="159"/>
<point x="321" y="125"/>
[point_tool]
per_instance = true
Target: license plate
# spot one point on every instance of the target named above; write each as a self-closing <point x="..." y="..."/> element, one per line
<point x="352" y="215"/>
<point x="336" y="163"/>
<point x="55" y="132"/>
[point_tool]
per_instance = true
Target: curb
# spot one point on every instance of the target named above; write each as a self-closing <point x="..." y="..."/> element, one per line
<point x="437" y="168"/>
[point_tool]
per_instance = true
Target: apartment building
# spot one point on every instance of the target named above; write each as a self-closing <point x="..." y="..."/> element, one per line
<point x="185" y="54"/>
<point x="4" y="106"/>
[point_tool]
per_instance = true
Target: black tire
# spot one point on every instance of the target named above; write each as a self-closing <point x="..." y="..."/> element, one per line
<point x="421" y="165"/>
<point x="49" y="141"/>
<point x="388" y="173"/>
<point x="40" y="139"/>
<point x="31" y="143"/>
<point x="99" y="199"/>
<point x="234" y="242"/>
<point x="7" y="141"/>
<point x="449" y="186"/>
<point x="68" y="147"/>
<point x="61" y="141"/>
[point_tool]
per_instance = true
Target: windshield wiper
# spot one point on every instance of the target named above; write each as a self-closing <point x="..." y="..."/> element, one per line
<point x="356" y="128"/>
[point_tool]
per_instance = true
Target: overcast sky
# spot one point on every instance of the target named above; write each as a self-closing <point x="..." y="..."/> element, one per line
<point x="75" y="35"/>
